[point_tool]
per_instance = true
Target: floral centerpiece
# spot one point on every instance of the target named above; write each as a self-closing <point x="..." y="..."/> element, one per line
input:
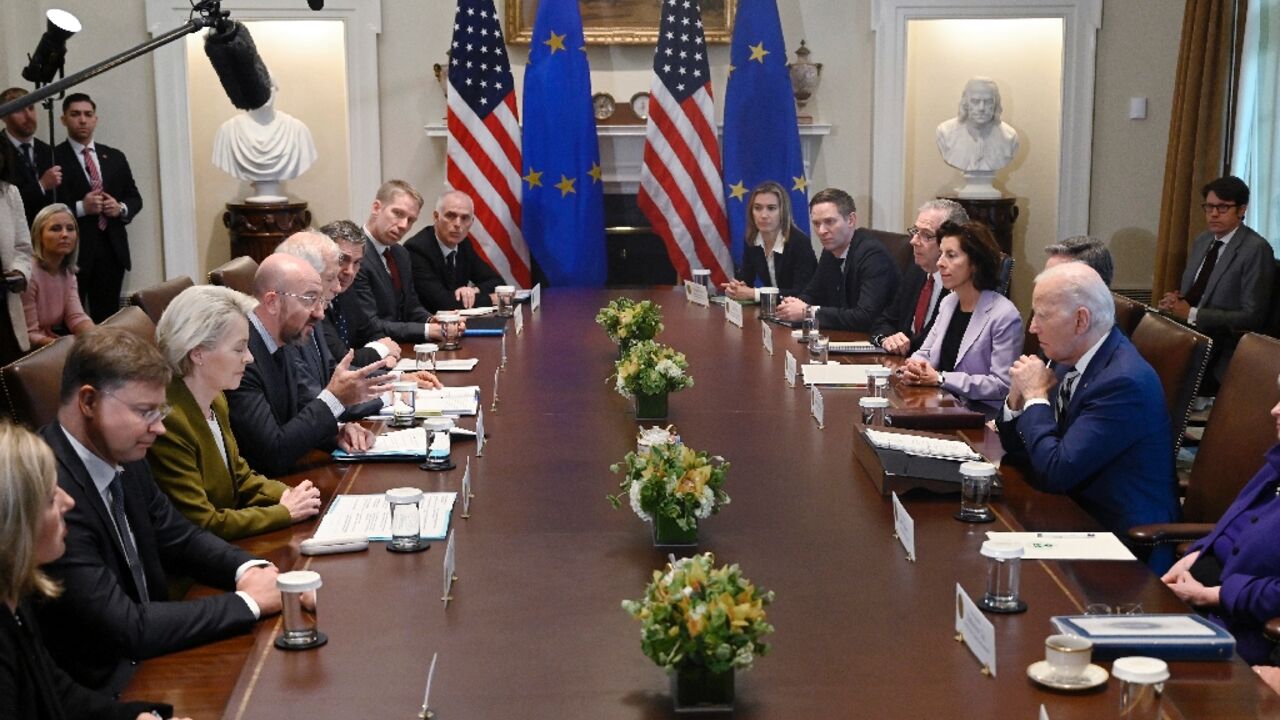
<point x="649" y="371"/>
<point x="672" y="486"/>
<point x="702" y="622"/>
<point x="627" y="321"/>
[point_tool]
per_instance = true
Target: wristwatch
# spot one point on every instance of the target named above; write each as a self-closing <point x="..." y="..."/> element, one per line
<point x="877" y="340"/>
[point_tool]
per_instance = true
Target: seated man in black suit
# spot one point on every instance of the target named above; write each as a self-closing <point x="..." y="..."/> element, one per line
<point x="273" y="423"/>
<point x="123" y="535"/>
<point x="855" y="279"/>
<point x="905" y="323"/>
<point x="340" y="318"/>
<point x="448" y="273"/>
<point x="383" y="294"/>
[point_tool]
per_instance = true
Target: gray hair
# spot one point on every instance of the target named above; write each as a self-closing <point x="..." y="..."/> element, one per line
<point x="448" y="194"/>
<point x="198" y="318"/>
<point x="973" y="84"/>
<point x="318" y="249"/>
<point x="345" y="231"/>
<point x="1080" y="286"/>
<point x="953" y="210"/>
<point x="1088" y="250"/>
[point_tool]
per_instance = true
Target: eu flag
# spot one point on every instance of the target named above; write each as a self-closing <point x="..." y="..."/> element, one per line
<point x="761" y="140"/>
<point x="563" y="190"/>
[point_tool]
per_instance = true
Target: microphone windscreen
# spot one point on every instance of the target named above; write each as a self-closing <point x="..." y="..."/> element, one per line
<point x="316" y="4"/>
<point x="239" y="67"/>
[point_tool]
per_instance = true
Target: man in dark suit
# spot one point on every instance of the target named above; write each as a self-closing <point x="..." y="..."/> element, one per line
<point x="273" y="423"/>
<point x="1094" y="426"/>
<point x="855" y="278"/>
<point x="906" y="321"/>
<point x="340" y="318"/>
<point x="383" y="293"/>
<point x="98" y="184"/>
<point x="448" y="273"/>
<point x="123" y="535"/>
<point x="1226" y="287"/>
<point x="28" y="158"/>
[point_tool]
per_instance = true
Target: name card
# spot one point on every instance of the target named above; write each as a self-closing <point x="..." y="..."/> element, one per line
<point x="688" y="291"/>
<point x="466" y="490"/>
<point x="733" y="311"/>
<point x="503" y="362"/>
<point x="535" y="298"/>
<point x="904" y="528"/>
<point x="766" y="337"/>
<point x="791" y="367"/>
<point x="975" y="631"/>
<point x="480" y="429"/>
<point x="816" y="406"/>
<point x="698" y="295"/>
<point x="1044" y="714"/>
<point x="519" y="319"/>
<point x="449" y="566"/>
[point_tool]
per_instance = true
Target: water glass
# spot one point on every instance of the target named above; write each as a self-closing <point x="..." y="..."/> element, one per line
<point x="506" y="295"/>
<point x="451" y="329"/>
<point x="300" y="627"/>
<point x="819" y="345"/>
<point x="976" y="481"/>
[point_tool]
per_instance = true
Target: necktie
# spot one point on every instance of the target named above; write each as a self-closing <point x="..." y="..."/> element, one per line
<point x="450" y="264"/>
<point x="1065" y="388"/>
<point x="922" y="305"/>
<point x="392" y="269"/>
<point x="1202" y="278"/>
<point x="95" y="182"/>
<point x="28" y="157"/>
<point x="340" y="322"/>
<point x="126" y="537"/>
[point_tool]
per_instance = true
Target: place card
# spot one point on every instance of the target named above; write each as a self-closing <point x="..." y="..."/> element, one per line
<point x="733" y="311"/>
<point x="480" y="428"/>
<point x="535" y="298"/>
<point x="790" y="367"/>
<point x="426" y="696"/>
<point x="766" y="337"/>
<point x="519" y="319"/>
<point x="449" y="567"/>
<point x="904" y="528"/>
<point x="503" y="362"/>
<point x="816" y="406"/>
<point x="975" y="631"/>
<point x="1044" y="714"/>
<point x="688" y="291"/>
<point x="466" y="491"/>
<point x="698" y="295"/>
<point x="494" y="405"/>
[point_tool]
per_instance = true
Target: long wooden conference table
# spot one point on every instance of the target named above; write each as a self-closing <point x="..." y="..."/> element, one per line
<point x="535" y="628"/>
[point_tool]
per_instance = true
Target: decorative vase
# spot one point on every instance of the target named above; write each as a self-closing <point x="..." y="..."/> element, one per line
<point x="624" y="346"/>
<point x="651" y="407"/>
<point x="668" y="533"/>
<point x="694" y="688"/>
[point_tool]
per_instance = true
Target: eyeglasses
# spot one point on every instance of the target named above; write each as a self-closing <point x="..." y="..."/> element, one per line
<point x="309" y="300"/>
<point x="1217" y="209"/>
<point x="151" y="416"/>
<point x="925" y="234"/>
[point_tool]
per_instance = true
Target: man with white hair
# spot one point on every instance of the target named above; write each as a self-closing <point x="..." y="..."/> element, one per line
<point x="1094" y="426"/>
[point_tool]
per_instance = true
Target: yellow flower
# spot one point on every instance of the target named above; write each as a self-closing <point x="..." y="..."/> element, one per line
<point x="696" y="624"/>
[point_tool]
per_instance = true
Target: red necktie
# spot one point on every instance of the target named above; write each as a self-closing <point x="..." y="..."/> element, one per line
<point x="95" y="182"/>
<point x="922" y="305"/>
<point x="392" y="268"/>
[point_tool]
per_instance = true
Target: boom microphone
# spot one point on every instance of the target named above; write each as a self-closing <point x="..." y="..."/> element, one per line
<point x="316" y="4"/>
<point x="235" y="58"/>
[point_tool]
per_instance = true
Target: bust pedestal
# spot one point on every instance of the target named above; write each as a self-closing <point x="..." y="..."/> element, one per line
<point x="256" y="228"/>
<point x="998" y="213"/>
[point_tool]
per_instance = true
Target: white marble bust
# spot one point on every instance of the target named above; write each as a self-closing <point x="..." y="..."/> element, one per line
<point x="976" y="140"/>
<point x="264" y="146"/>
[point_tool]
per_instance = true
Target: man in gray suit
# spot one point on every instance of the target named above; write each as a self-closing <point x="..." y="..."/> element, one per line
<point x="1226" y="287"/>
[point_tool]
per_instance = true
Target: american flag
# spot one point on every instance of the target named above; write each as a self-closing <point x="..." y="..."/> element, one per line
<point x="484" y="137"/>
<point x="681" y="192"/>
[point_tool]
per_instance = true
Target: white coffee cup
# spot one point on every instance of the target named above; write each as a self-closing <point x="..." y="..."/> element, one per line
<point x="1068" y="656"/>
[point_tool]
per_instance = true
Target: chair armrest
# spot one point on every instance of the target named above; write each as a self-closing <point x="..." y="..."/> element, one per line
<point x="1158" y="533"/>
<point x="1272" y="629"/>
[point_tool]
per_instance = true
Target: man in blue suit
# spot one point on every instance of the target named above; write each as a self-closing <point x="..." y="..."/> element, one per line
<point x="1094" y="426"/>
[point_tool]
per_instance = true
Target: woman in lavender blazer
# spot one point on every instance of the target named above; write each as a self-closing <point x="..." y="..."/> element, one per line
<point x="978" y="332"/>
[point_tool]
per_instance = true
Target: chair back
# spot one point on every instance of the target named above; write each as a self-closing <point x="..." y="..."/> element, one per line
<point x="155" y="299"/>
<point x="1238" y="433"/>
<point x="898" y="245"/>
<point x="1179" y="356"/>
<point x="1129" y="313"/>
<point x="1272" y="327"/>
<point x="236" y="274"/>
<point x="1006" y="275"/>
<point x="33" y="382"/>
<point x="135" y="321"/>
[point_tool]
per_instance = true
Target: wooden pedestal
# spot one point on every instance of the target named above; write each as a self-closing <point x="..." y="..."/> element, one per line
<point x="998" y="213"/>
<point x="256" y="228"/>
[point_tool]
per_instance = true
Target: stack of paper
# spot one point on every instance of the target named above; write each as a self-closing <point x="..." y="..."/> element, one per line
<point x="477" y="311"/>
<point x="370" y="515"/>
<point x="1066" y="545"/>
<point x="452" y="365"/>
<point x="464" y="400"/>
<point x="835" y="374"/>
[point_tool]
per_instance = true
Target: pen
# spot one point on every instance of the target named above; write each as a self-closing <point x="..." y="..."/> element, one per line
<point x="1065" y="536"/>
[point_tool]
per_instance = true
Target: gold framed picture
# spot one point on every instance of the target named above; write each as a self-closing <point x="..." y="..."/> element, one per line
<point x="625" y="22"/>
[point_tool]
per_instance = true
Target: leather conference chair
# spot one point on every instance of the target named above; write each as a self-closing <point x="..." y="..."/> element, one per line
<point x="1236" y="438"/>
<point x="155" y="299"/>
<point x="1180" y="356"/>
<point x="1129" y="313"/>
<point x="135" y="321"/>
<point x="236" y="274"/>
<point x="1006" y="275"/>
<point x="9" y="348"/>
<point x="33" y="382"/>
<point x="898" y="245"/>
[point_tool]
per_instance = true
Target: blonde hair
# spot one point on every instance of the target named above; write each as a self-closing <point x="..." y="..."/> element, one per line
<point x="198" y="318"/>
<point x="27" y="476"/>
<point x="43" y="218"/>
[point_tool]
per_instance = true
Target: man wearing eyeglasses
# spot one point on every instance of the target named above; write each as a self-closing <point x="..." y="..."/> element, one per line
<point x="1226" y="287"/>
<point x="123" y="536"/>
<point x="905" y="322"/>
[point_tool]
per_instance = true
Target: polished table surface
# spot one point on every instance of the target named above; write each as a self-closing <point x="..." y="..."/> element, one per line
<point x="535" y="628"/>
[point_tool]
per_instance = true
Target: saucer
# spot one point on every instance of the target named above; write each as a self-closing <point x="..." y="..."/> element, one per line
<point x="1093" y="677"/>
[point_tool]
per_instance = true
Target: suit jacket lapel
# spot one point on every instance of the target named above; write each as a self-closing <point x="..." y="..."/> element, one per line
<point x="978" y="321"/>
<point x="1100" y="360"/>
<point x="1222" y="267"/>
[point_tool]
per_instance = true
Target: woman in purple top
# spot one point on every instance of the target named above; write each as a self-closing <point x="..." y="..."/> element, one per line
<point x="1233" y="573"/>
<point x="51" y="301"/>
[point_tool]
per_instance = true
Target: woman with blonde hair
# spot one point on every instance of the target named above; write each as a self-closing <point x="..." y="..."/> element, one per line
<point x="204" y="335"/>
<point x="777" y="253"/>
<point x="51" y="301"/>
<point x="33" y="533"/>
